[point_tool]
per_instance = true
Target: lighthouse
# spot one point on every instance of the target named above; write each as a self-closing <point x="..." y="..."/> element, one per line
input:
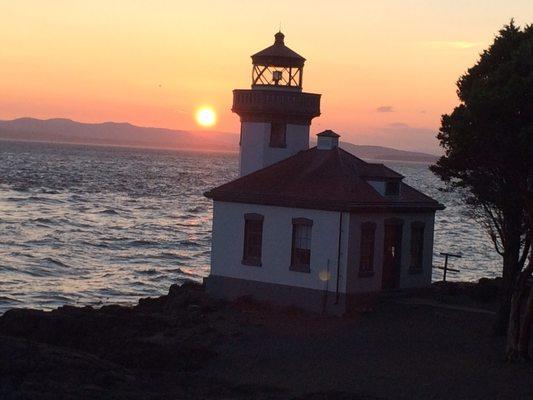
<point x="316" y="228"/>
<point x="275" y="113"/>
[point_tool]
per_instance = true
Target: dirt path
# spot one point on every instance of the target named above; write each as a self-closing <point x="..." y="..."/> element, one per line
<point x="398" y="351"/>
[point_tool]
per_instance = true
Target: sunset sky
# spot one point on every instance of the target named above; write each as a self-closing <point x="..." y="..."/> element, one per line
<point x="386" y="69"/>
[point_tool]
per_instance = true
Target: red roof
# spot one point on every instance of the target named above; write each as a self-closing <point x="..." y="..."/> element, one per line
<point x="324" y="180"/>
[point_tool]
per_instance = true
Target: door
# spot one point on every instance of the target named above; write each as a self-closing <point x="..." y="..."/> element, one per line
<point x="392" y="253"/>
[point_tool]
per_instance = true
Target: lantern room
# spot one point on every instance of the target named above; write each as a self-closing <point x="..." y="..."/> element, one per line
<point x="275" y="113"/>
<point x="277" y="67"/>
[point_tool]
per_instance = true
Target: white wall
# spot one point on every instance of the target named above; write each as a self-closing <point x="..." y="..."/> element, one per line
<point x="255" y="150"/>
<point x="356" y="284"/>
<point x="228" y="239"/>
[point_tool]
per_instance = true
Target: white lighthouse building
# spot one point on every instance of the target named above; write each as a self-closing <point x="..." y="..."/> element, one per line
<point x="314" y="227"/>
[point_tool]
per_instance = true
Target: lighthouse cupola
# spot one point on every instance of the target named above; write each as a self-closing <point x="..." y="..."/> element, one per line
<point x="275" y="113"/>
<point x="277" y="67"/>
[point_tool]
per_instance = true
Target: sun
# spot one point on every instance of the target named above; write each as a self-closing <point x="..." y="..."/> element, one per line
<point x="206" y="116"/>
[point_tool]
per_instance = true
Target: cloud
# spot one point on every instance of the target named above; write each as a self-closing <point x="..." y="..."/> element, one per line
<point x="447" y="45"/>
<point x="385" y="109"/>
<point x="398" y="125"/>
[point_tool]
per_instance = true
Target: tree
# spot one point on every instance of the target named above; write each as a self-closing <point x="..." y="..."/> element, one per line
<point x="487" y="143"/>
<point x="518" y="332"/>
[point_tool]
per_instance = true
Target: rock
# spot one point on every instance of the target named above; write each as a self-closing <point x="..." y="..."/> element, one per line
<point x="486" y="290"/>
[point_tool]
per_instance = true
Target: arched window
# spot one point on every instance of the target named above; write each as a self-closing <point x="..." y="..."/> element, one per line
<point x="278" y="134"/>
<point x="253" y="239"/>
<point x="366" y="261"/>
<point x="301" y="244"/>
<point x="416" y="262"/>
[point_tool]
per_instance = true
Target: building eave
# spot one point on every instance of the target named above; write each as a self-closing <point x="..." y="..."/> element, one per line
<point x="329" y="206"/>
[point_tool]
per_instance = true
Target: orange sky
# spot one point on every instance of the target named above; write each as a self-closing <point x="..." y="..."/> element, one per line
<point x="153" y="63"/>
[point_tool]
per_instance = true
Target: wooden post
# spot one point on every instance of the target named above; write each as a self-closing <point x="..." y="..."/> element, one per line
<point x="445" y="268"/>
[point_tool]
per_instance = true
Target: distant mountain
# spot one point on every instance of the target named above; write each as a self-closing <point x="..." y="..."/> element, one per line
<point x="115" y="134"/>
<point x="386" y="153"/>
<point x="125" y="134"/>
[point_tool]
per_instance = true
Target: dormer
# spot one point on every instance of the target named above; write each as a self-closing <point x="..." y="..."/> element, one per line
<point x="327" y="140"/>
<point x="386" y="187"/>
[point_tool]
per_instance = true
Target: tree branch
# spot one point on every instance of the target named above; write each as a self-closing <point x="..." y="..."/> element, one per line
<point x="525" y="252"/>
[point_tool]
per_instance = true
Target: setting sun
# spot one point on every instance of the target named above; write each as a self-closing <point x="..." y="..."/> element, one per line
<point x="206" y="116"/>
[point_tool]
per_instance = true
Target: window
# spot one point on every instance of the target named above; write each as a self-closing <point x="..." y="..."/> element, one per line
<point x="253" y="239"/>
<point x="366" y="262"/>
<point x="392" y="188"/>
<point x="417" y="247"/>
<point x="301" y="244"/>
<point x="278" y="134"/>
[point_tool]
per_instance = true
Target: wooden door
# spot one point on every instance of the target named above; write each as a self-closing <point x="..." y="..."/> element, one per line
<point x="392" y="253"/>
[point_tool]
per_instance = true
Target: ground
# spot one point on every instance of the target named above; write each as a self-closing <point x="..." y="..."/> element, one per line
<point x="185" y="345"/>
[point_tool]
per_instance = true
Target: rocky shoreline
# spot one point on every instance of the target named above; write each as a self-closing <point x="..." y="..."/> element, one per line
<point x="187" y="345"/>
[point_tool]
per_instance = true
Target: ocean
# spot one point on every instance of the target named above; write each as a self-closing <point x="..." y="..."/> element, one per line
<point x="89" y="225"/>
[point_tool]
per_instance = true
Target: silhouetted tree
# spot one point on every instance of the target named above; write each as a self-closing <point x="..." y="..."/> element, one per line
<point x="518" y="332"/>
<point x="487" y="142"/>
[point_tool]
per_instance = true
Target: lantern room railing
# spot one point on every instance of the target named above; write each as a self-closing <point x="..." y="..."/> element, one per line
<point x="276" y="102"/>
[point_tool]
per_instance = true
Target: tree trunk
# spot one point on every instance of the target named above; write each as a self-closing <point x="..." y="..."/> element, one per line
<point x="518" y="333"/>
<point x="523" y="339"/>
<point x="509" y="277"/>
<point x="512" y="231"/>
<point x="518" y="329"/>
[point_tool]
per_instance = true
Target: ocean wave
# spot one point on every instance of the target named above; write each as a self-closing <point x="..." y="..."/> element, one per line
<point x="149" y="208"/>
<point x="197" y="209"/>
<point x="150" y="271"/>
<point x="45" y="200"/>
<point x="173" y="256"/>
<point x="9" y="299"/>
<point x="188" y="243"/>
<point x="142" y="242"/>
<point x="53" y="261"/>
<point x="20" y="254"/>
<point x="45" y="221"/>
<point x="108" y="211"/>
<point x="182" y="272"/>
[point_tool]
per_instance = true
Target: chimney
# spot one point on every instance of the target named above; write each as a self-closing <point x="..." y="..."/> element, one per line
<point x="327" y="140"/>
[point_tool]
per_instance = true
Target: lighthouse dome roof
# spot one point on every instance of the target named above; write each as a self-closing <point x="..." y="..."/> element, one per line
<point x="278" y="55"/>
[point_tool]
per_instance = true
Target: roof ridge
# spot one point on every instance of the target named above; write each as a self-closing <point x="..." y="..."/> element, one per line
<point x="279" y="163"/>
<point x="345" y="168"/>
<point x="353" y="155"/>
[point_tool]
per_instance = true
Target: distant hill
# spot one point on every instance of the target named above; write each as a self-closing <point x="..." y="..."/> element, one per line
<point x="125" y="134"/>
<point x="115" y="134"/>
<point x="386" y="153"/>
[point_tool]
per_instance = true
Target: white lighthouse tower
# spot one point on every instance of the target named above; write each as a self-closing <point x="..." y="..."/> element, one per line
<point x="275" y="114"/>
